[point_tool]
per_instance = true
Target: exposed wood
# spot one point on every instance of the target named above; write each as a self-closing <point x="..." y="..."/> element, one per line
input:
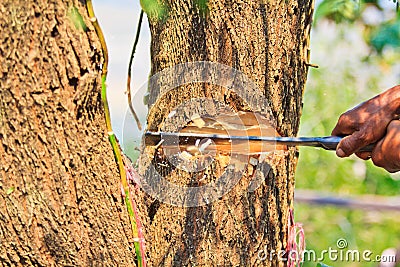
<point x="236" y="124"/>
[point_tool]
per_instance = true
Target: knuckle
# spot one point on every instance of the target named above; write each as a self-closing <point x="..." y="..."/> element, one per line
<point x="378" y="159"/>
<point x="343" y="119"/>
<point x="364" y="137"/>
<point x="347" y="145"/>
<point x="345" y="125"/>
<point x="394" y="125"/>
<point x="396" y="87"/>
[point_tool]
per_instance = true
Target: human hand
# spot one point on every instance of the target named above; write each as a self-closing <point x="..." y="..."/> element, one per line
<point x="367" y="123"/>
<point x="386" y="153"/>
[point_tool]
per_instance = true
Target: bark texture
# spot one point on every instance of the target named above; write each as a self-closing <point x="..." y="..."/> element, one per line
<point x="59" y="185"/>
<point x="267" y="41"/>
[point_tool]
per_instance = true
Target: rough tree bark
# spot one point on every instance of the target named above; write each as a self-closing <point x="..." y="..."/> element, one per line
<point x="59" y="184"/>
<point x="267" y="41"/>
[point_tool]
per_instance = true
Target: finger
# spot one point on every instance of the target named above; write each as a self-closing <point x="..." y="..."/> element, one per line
<point x="378" y="158"/>
<point x="393" y="127"/>
<point x="364" y="155"/>
<point x="385" y="154"/>
<point x="344" y="126"/>
<point x="352" y="143"/>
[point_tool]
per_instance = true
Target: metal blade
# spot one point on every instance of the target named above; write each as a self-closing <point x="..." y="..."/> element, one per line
<point x="327" y="142"/>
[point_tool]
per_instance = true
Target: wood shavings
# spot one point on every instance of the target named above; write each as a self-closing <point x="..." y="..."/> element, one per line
<point x="224" y="160"/>
<point x="253" y="161"/>
<point x="203" y="178"/>
<point x="194" y="150"/>
<point x="250" y="169"/>
<point x="239" y="166"/>
<point x="171" y="114"/>
<point x="204" y="146"/>
<point x="230" y="167"/>
<point x="159" y="144"/>
<point x="185" y="155"/>
<point x="198" y="121"/>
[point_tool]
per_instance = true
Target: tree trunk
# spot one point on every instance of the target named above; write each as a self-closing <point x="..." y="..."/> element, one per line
<point x="59" y="185"/>
<point x="268" y="42"/>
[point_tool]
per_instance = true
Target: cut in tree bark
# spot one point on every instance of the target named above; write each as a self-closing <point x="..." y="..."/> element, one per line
<point x="60" y="191"/>
<point x="268" y="41"/>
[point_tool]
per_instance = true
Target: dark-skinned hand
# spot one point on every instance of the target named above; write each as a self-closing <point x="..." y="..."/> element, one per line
<point x="368" y="123"/>
<point x="386" y="153"/>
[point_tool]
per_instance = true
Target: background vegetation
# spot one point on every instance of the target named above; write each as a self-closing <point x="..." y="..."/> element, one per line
<point x="356" y="46"/>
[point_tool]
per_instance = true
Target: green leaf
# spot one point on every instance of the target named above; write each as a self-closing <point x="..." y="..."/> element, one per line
<point x="76" y="18"/>
<point x="320" y="264"/>
<point x="154" y="9"/>
<point x="10" y="190"/>
<point x="386" y="35"/>
<point x="338" y="10"/>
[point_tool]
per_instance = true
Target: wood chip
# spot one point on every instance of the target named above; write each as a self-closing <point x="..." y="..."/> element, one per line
<point x="194" y="150"/>
<point x="159" y="144"/>
<point x="198" y="121"/>
<point x="171" y="114"/>
<point x="185" y="155"/>
<point x="204" y="146"/>
<point x="250" y="169"/>
<point x="253" y="161"/>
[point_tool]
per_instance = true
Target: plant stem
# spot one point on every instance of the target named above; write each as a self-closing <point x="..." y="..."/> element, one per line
<point x="128" y="82"/>
<point x="112" y="137"/>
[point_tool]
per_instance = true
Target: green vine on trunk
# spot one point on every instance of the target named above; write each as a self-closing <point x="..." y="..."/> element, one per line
<point x="112" y="137"/>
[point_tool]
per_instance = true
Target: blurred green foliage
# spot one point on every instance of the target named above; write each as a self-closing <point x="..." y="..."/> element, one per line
<point x="386" y="34"/>
<point x="337" y="10"/>
<point x="155" y="9"/>
<point x="358" y="59"/>
<point x="382" y="32"/>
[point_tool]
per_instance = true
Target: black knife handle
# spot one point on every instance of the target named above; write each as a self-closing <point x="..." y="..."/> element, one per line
<point x="331" y="143"/>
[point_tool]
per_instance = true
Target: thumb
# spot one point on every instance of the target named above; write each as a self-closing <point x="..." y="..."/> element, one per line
<point x="352" y="143"/>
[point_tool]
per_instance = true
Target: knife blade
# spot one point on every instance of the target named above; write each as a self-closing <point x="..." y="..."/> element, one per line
<point x="325" y="142"/>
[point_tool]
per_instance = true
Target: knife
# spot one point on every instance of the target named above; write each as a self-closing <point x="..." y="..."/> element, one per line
<point x="326" y="142"/>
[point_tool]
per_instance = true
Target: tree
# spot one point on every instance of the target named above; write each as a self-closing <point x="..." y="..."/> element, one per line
<point x="59" y="185"/>
<point x="59" y="181"/>
<point x="266" y="41"/>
